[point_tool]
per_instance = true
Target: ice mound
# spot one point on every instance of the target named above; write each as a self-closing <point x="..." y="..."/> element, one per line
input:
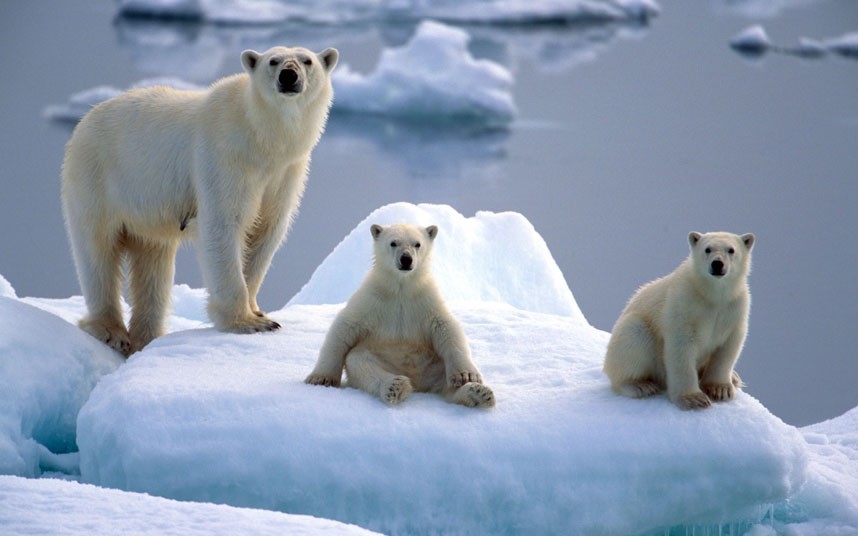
<point x="751" y="40"/>
<point x="846" y="45"/>
<point x="47" y="369"/>
<point x="206" y="416"/>
<point x="50" y="506"/>
<point x="82" y="102"/>
<point x="239" y="12"/>
<point x="432" y="78"/>
<point x="491" y="257"/>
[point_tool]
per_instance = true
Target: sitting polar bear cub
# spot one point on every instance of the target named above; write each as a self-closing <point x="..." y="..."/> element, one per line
<point x="152" y="166"/>
<point x="395" y="334"/>
<point x="684" y="332"/>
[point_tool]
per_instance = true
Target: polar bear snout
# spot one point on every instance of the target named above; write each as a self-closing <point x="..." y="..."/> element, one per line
<point x="288" y="81"/>
<point x="717" y="268"/>
<point x="406" y="262"/>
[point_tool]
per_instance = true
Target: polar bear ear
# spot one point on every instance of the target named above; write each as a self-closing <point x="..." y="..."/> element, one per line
<point x="694" y="237"/>
<point x="748" y="240"/>
<point x="376" y="231"/>
<point x="249" y="59"/>
<point x="432" y="231"/>
<point x="329" y="58"/>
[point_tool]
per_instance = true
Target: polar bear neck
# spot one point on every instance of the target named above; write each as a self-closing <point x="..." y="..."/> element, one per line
<point x="286" y="125"/>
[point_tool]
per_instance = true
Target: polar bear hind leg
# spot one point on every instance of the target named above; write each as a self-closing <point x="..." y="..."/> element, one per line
<point x="99" y="266"/>
<point x="365" y="371"/>
<point x="152" y="267"/>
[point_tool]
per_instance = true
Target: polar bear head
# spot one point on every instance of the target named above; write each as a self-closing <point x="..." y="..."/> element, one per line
<point x="403" y="249"/>
<point x="721" y="255"/>
<point x="282" y="72"/>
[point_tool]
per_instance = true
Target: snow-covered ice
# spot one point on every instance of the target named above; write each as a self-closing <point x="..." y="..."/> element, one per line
<point x="433" y="77"/>
<point x="211" y="417"/>
<point x="241" y="12"/>
<point x="50" y="506"/>
<point x="47" y="370"/>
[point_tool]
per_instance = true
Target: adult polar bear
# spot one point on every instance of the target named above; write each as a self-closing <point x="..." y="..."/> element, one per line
<point x="234" y="159"/>
<point x="684" y="332"/>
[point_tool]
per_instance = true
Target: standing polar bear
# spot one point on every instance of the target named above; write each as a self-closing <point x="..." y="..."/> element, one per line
<point x="227" y="165"/>
<point x="395" y="334"/>
<point x="684" y="332"/>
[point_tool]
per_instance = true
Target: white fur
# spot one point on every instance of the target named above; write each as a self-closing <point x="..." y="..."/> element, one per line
<point x="228" y="165"/>
<point x="396" y="334"/>
<point x="684" y="332"/>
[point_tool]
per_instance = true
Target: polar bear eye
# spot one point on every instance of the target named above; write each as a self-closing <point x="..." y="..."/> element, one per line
<point x="417" y="245"/>
<point x="393" y="244"/>
<point x="731" y="251"/>
<point x="708" y="251"/>
<point x="274" y="62"/>
<point x="308" y="62"/>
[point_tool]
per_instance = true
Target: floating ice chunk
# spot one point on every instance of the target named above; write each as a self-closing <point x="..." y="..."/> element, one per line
<point x="227" y="12"/>
<point x="542" y="12"/>
<point x="845" y="45"/>
<point x="208" y="416"/>
<point x="432" y="78"/>
<point x="47" y="369"/>
<point x="809" y="48"/>
<point x="81" y="103"/>
<point x="752" y="40"/>
<point x="491" y="257"/>
<point x="49" y="506"/>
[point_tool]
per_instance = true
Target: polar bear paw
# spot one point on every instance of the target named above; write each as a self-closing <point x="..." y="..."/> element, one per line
<point x="475" y="395"/>
<point x="256" y="323"/>
<point x="693" y="400"/>
<point x="114" y="336"/>
<point x="719" y="392"/>
<point x="397" y="390"/>
<point x="460" y="378"/>
<point x="323" y="380"/>
<point x="638" y="389"/>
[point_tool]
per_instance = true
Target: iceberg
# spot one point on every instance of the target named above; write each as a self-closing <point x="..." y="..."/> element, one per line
<point x="206" y="417"/>
<point x="433" y="77"/>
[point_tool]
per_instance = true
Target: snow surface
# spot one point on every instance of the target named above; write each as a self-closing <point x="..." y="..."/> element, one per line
<point x="206" y="416"/>
<point x="433" y="77"/>
<point x="50" y="506"/>
<point x="241" y="12"/>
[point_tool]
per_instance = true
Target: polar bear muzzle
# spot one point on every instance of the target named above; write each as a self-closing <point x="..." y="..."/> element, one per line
<point x="288" y="81"/>
<point x="406" y="262"/>
<point x="717" y="268"/>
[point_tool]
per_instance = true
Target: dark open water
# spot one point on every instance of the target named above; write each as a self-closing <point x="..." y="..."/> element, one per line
<point x="628" y="138"/>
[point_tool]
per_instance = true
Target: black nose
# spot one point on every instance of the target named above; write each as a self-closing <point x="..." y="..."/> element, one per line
<point x="717" y="268"/>
<point x="288" y="81"/>
<point x="405" y="261"/>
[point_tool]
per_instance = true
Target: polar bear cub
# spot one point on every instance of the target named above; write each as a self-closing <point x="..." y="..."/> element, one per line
<point x="395" y="334"/>
<point x="684" y="332"/>
<point x="227" y="165"/>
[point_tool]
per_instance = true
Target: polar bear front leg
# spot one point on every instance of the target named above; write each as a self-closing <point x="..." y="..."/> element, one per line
<point x="221" y="237"/>
<point x="718" y="379"/>
<point x="682" y="381"/>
